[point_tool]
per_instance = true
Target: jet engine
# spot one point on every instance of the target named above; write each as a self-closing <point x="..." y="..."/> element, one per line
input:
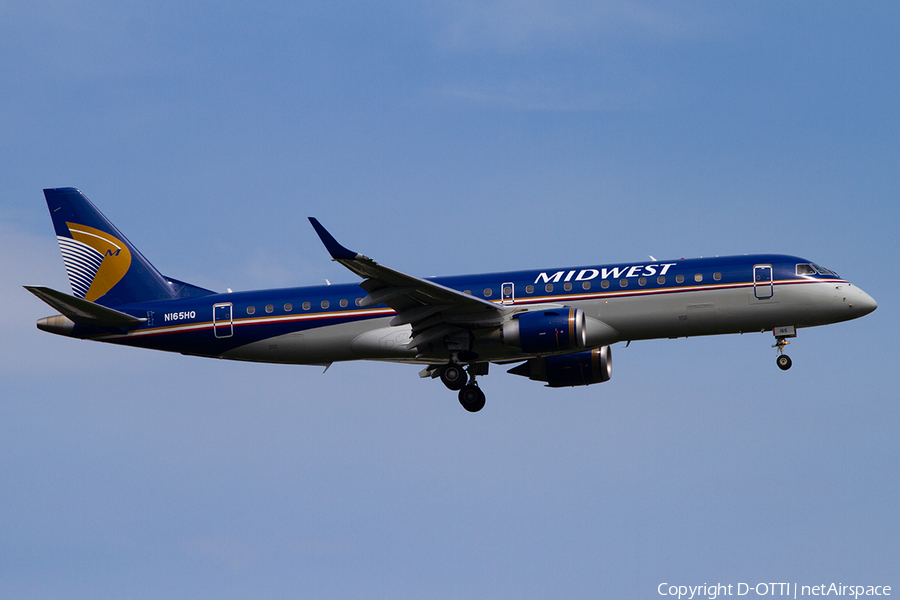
<point x="567" y="370"/>
<point x="551" y="330"/>
<point x="548" y="331"/>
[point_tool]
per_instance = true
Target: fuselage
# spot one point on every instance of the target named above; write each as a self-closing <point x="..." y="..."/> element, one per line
<point x="645" y="300"/>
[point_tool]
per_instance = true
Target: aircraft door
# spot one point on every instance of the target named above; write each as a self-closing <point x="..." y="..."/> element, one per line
<point x="223" y="326"/>
<point x="507" y="293"/>
<point x="763" y="284"/>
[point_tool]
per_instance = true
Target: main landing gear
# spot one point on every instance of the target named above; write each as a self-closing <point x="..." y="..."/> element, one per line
<point x="781" y="334"/>
<point x="457" y="379"/>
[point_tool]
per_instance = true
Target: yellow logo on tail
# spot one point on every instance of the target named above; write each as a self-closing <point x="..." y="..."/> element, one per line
<point x="116" y="258"/>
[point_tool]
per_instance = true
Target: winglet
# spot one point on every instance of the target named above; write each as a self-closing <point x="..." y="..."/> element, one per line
<point x="334" y="248"/>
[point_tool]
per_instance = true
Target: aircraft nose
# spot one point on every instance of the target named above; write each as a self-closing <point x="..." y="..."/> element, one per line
<point x="863" y="303"/>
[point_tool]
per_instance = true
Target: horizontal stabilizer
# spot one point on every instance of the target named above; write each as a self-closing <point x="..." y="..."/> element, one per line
<point x="84" y="312"/>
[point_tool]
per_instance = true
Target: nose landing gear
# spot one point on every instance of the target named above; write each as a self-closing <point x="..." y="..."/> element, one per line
<point x="781" y="334"/>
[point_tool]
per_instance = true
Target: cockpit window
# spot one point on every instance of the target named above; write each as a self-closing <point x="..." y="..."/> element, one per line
<point x="824" y="271"/>
<point x="805" y="269"/>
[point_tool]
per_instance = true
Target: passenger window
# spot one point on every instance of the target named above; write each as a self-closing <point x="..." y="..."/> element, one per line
<point x="251" y="310"/>
<point x="717" y="276"/>
<point x="623" y="283"/>
<point x="661" y="279"/>
<point x="604" y="284"/>
<point x="270" y="308"/>
<point x="487" y="292"/>
<point x="343" y="303"/>
<point x="698" y="277"/>
<point x="586" y="285"/>
<point x="567" y="287"/>
<point x="358" y="301"/>
<point x="679" y="279"/>
<point x="642" y="281"/>
<point x="529" y="289"/>
<point x="307" y="306"/>
<point x="325" y="304"/>
<point x="288" y="307"/>
<point x="549" y="287"/>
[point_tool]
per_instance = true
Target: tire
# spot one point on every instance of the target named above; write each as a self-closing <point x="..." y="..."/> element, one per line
<point x="472" y="398"/>
<point x="783" y="362"/>
<point x="453" y="376"/>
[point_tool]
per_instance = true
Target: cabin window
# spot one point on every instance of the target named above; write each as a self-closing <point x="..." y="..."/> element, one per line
<point x="251" y="310"/>
<point x="698" y="277"/>
<point x="642" y="281"/>
<point x="661" y="279"/>
<point x="567" y="287"/>
<point x="805" y="270"/>
<point x="487" y="292"/>
<point x="307" y="306"/>
<point x="586" y="285"/>
<point x="529" y="289"/>
<point x="358" y="301"/>
<point x="623" y="283"/>
<point x="604" y="284"/>
<point x="469" y="292"/>
<point x="549" y="287"/>
<point x="270" y="308"/>
<point x="288" y="307"/>
<point x="343" y="303"/>
<point x="325" y="304"/>
<point x="679" y="279"/>
<point x="717" y="276"/>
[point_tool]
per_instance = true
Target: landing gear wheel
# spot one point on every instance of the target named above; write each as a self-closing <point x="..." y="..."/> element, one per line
<point x="453" y="376"/>
<point x="783" y="362"/>
<point x="472" y="398"/>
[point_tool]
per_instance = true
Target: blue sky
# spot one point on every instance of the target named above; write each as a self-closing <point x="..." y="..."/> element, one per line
<point x="441" y="140"/>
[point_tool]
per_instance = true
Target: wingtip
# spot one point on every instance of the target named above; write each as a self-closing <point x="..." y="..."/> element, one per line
<point x="336" y="250"/>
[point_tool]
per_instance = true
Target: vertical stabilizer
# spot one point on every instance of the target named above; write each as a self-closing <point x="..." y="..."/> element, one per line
<point x="102" y="265"/>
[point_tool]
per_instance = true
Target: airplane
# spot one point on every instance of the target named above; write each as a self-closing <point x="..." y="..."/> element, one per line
<point x="556" y="325"/>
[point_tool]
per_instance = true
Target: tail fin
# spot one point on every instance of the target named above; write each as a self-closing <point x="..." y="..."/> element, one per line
<point x="102" y="265"/>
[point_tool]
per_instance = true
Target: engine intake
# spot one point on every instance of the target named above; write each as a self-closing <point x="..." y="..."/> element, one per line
<point x="567" y="370"/>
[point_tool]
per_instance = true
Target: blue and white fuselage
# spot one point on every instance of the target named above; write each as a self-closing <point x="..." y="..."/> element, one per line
<point x="559" y="323"/>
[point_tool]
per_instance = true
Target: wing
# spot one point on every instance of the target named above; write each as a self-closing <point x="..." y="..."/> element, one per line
<point x="442" y="318"/>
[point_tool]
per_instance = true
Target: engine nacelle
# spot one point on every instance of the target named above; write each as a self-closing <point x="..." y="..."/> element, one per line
<point x="552" y="330"/>
<point x="580" y="368"/>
